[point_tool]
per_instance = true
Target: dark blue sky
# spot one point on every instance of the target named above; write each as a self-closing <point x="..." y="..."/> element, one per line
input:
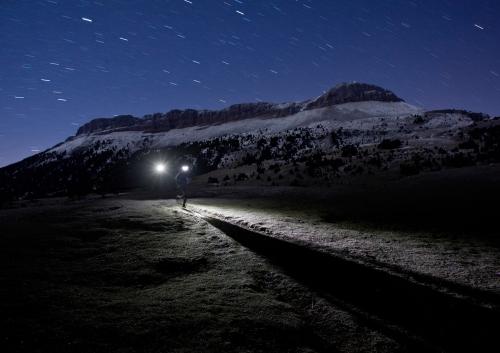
<point x="64" y="62"/>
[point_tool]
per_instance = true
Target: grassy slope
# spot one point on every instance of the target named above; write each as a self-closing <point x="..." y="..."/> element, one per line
<point x="140" y="276"/>
<point x="441" y="224"/>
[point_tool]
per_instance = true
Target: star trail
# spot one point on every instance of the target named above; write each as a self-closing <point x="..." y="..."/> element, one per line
<point x="66" y="62"/>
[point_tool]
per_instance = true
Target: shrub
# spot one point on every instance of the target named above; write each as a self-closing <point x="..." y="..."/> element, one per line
<point x="336" y="163"/>
<point x="407" y="169"/>
<point x="212" y="180"/>
<point x="458" y="160"/>
<point x="349" y="151"/>
<point x="296" y="182"/>
<point x="468" y="145"/>
<point x="275" y="167"/>
<point x="249" y="159"/>
<point x="375" y="161"/>
<point x="242" y="177"/>
<point x="388" y="144"/>
<point x="335" y="138"/>
<point x="418" y="120"/>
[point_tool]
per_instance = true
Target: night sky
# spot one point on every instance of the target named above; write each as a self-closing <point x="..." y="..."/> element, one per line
<point x="64" y="62"/>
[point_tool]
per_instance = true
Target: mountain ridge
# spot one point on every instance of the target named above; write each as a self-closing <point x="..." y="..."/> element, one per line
<point x="352" y="130"/>
<point x="181" y="118"/>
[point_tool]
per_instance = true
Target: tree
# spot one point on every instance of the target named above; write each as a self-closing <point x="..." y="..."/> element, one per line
<point x="349" y="151"/>
<point x="388" y="144"/>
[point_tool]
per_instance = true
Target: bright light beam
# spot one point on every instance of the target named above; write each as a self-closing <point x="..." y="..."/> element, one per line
<point x="185" y="168"/>
<point x="160" y="168"/>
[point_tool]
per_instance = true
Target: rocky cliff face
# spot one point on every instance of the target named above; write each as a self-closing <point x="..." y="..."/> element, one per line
<point x="353" y="92"/>
<point x="103" y="124"/>
<point x="177" y="119"/>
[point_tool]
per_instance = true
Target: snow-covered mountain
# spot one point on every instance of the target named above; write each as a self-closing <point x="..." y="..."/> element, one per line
<point x="351" y="129"/>
<point x="344" y="102"/>
<point x="135" y="139"/>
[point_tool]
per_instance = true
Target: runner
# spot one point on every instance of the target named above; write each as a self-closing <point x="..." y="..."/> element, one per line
<point x="182" y="179"/>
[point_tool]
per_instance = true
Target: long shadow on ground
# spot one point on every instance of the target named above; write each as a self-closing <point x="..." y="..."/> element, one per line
<point x="418" y="315"/>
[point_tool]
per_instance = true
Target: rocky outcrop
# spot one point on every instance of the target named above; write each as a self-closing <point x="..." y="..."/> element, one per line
<point x="103" y="124"/>
<point x="178" y="119"/>
<point x="353" y="92"/>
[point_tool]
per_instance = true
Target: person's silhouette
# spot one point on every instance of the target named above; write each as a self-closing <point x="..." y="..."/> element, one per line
<point x="182" y="180"/>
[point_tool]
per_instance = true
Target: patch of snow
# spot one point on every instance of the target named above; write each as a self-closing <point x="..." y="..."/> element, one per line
<point x="375" y="108"/>
<point x="449" y="121"/>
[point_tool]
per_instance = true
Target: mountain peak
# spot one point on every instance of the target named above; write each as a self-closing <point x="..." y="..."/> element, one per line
<point x="349" y="92"/>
